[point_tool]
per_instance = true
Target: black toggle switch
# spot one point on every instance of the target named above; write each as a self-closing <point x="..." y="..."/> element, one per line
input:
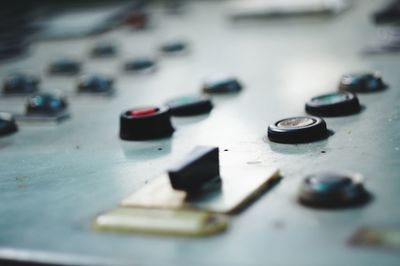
<point x="200" y="167"/>
<point x="45" y="104"/>
<point x="7" y="124"/>
<point x="20" y="83"/>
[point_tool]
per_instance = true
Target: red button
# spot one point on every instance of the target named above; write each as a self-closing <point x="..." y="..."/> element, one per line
<point x="144" y="111"/>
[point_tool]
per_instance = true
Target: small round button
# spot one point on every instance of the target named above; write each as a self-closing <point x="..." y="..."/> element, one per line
<point x="95" y="84"/>
<point x="65" y="66"/>
<point x="174" y="47"/>
<point x="20" y="83"/>
<point x="45" y="104"/>
<point x="334" y="104"/>
<point x="7" y="124"/>
<point x="103" y="49"/>
<point x="189" y="105"/>
<point x="362" y="82"/>
<point x="140" y="64"/>
<point x="332" y="190"/>
<point x="145" y="123"/>
<point x="298" y="129"/>
<point x="222" y="86"/>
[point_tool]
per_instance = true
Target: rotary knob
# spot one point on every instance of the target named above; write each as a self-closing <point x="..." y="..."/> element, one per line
<point x="20" y="83"/>
<point x="45" y="104"/>
<point x="362" y="82"/>
<point x="189" y="105"/>
<point x="332" y="190"/>
<point x="299" y="129"/>
<point x="145" y="123"/>
<point x="140" y="65"/>
<point x="103" y="49"/>
<point x="334" y="104"/>
<point x="7" y="124"/>
<point x="65" y="66"/>
<point x="95" y="84"/>
<point x="222" y="86"/>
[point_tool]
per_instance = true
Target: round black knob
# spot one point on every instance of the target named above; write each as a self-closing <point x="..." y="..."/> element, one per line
<point x="334" y="104"/>
<point x="362" y="82"/>
<point x="145" y="123"/>
<point x="332" y="190"/>
<point x="140" y="64"/>
<point x="7" y="124"/>
<point x="103" y="49"/>
<point x="222" y="86"/>
<point x="65" y="66"/>
<point x="299" y="129"/>
<point x="95" y="84"/>
<point x="45" y="104"/>
<point x="20" y="83"/>
<point x="189" y="105"/>
<point x="174" y="47"/>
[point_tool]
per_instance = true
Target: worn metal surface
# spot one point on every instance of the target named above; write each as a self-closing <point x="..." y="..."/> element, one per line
<point x="55" y="178"/>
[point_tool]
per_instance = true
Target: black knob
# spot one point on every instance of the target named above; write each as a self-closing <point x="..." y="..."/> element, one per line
<point x="332" y="190"/>
<point x="222" y="86"/>
<point x="333" y="104"/>
<point x="45" y="104"/>
<point x="145" y="123"/>
<point x="174" y="47"/>
<point x="200" y="167"/>
<point x="299" y="129"/>
<point x="65" y="66"/>
<point x="7" y="124"/>
<point x="20" y="83"/>
<point x="362" y="82"/>
<point x="103" y="49"/>
<point x="189" y="105"/>
<point x="95" y="84"/>
<point x="140" y="64"/>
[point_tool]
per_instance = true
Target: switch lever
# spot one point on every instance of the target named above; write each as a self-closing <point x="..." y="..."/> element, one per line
<point x="200" y="167"/>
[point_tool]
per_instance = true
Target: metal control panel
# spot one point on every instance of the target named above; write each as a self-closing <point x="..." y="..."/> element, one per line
<point x="56" y="176"/>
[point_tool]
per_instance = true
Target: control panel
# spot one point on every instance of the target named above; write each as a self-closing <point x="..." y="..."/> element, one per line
<point x="199" y="133"/>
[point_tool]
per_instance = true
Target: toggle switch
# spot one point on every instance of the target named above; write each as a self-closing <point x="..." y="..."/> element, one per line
<point x="200" y="167"/>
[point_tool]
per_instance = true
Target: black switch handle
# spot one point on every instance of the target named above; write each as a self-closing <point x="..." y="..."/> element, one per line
<point x="201" y="166"/>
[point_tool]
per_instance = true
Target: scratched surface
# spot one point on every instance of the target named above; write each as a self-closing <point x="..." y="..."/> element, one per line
<point x="55" y="178"/>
